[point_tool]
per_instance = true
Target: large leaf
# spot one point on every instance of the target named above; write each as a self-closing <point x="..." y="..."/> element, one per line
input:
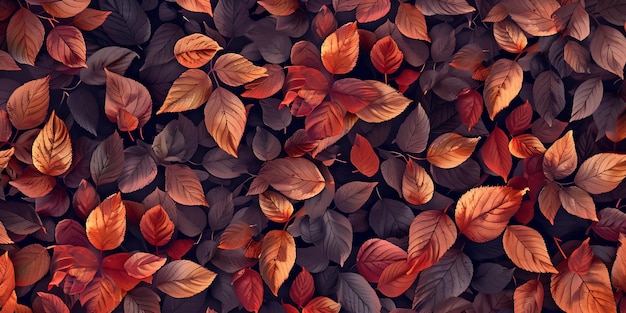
<point x="375" y="255"/>
<point x="589" y="292"/>
<point x="431" y="235"/>
<point x="31" y="263"/>
<point x="225" y="119"/>
<point x="67" y="45"/>
<point x="608" y="49"/>
<point x="502" y="85"/>
<point x="527" y="249"/>
<point x="106" y="224"/>
<point x="28" y="104"/>
<point x="248" y="287"/>
<point x="396" y="279"/>
<point x="278" y="255"/>
<point x="389" y="104"/>
<point x="363" y="156"/>
<point x="601" y="172"/>
<point x="509" y="36"/>
<point x="183" y="278"/>
<point x="296" y="178"/>
<point x="340" y="49"/>
<point x="450" y="149"/>
<point x="52" y="148"/>
<point x="24" y="36"/>
<point x="337" y="235"/>
<point x="139" y="169"/>
<point x="235" y="70"/>
<point x="529" y="297"/>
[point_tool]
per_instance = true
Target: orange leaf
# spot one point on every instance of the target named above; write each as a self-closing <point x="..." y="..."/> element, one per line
<point x="618" y="271"/>
<point x="528" y="297"/>
<point x="482" y="213"/>
<point x="534" y="16"/>
<point x="322" y="25"/>
<point x="326" y="120"/>
<point x="450" y="150"/>
<point x="201" y="6"/>
<point x="410" y="22"/>
<point x="589" y="292"/>
<point x="549" y="200"/>
<point x="280" y="7"/>
<point x="601" y="172"/>
<point x="183" y="279"/>
<point x="7" y="277"/>
<point x="66" y="44"/>
<point x="578" y="203"/>
<point x="28" y="104"/>
<point x="509" y="36"/>
<point x="265" y="87"/>
<point x="237" y="235"/>
<point x="502" y="85"/>
<point x="469" y="105"/>
<point x="560" y="160"/>
<point x="386" y="56"/>
<point x="388" y="104"/>
<point x="353" y="94"/>
<point x="340" y="49"/>
<point x="444" y="7"/>
<point x="288" y="308"/>
<point x="85" y="199"/>
<point x="431" y="234"/>
<point x="302" y="288"/>
<point x="52" y="303"/>
<point x="90" y="19"/>
<point x="126" y="98"/>
<point x="106" y="224"/>
<point x="526" y="146"/>
<point x="52" y="149"/>
<point x="34" y="184"/>
<point x="10" y="306"/>
<point x="372" y="10"/>
<point x="113" y="269"/>
<point x="31" y="263"/>
<point x="182" y="184"/>
<point x="396" y="279"/>
<point x="235" y="70"/>
<point x="275" y="206"/>
<point x="363" y="156"/>
<point x="527" y="249"/>
<point x="322" y="305"/>
<point x="65" y="8"/>
<point x="188" y="92"/>
<point x="24" y="36"/>
<point x="156" y="226"/>
<point x="496" y="155"/>
<point x="375" y="255"/>
<point x="225" y="118"/>
<point x="417" y="186"/>
<point x="195" y="50"/>
<point x="607" y="49"/>
<point x="141" y="265"/>
<point x="470" y="57"/>
<point x="101" y="295"/>
<point x="248" y="288"/>
<point x="4" y="236"/>
<point x="581" y="258"/>
<point x="278" y="255"/>
<point x="296" y="178"/>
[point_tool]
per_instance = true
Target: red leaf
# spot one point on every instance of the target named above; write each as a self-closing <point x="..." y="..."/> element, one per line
<point x="323" y="24"/>
<point x="353" y="94"/>
<point x="469" y="105"/>
<point x="363" y="157"/>
<point x="156" y="226"/>
<point x="496" y="155"/>
<point x="519" y="119"/>
<point x="302" y="288"/>
<point x="375" y="255"/>
<point x="113" y="268"/>
<point x="386" y="56"/>
<point x="67" y="45"/>
<point x="248" y="288"/>
<point x="179" y="248"/>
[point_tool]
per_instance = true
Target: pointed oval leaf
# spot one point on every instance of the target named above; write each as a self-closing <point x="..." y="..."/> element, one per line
<point x="7" y="277"/>
<point x="417" y="186"/>
<point x="156" y="226"/>
<point x="560" y="160"/>
<point x="195" y="50"/>
<point x="28" y="104"/>
<point x="587" y="98"/>
<point x="101" y="295"/>
<point x="389" y="104"/>
<point x="235" y="70"/>
<point x="275" y="206"/>
<point x="534" y="16"/>
<point x="107" y="160"/>
<point x="386" y="56"/>
<point x="519" y="119"/>
<point x="31" y="264"/>
<point x="549" y="200"/>
<point x="578" y="202"/>
<point x="431" y="235"/>
<point x="372" y="10"/>
<point x="363" y="156"/>
<point x="248" y="288"/>
<point x="66" y="44"/>
<point x="528" y="297"/>
<point x="52" y="303"/>
<point x="590" y="292"/>
<point x="114" y="59"/>
<point x="601" y="172"/>
<point x="618" y="271"/>
<point x="502" y="85"/>
<point x="611" y="223"/>
<point x="322" y="305"/>
<point x="326" y="120"/>
<point x="509" y="36"/>
<point x="396" y="279"/>
<point x="126" y="100"/>
<point x="469" y="105"/>
<point x="296" y="178"/>
<point x="188" y="92"/>
<point x="225" y="118"/>
<point x="337" y="238"/>
<point x="549" y="95"/>
<point x="413" y="133"/>
<point x="33" y="184"/>
<point x="236" y="235"/>
<point x="182" y="184"/>
<point x="340" y="49"/>
<point x="278" y="255"/>
<point x="183" y="279"/>
<point x="106" y="224"/>
<point x="411" y="23"/>
<point x="265" y="145"/>
<point x="139" y="169"/>
<point x="607" y="49"/>
<point x="52" y="148"/>
<point x="526" y="146"/>
<point x="266" y="86"/>
<point x="375" y="255"/>
<point x="142" y="299"/>
<point x="24" y="36"/>
<point x="142" y="265"/>
<point x="496" y="155"/>
<point x="356" y="295"/>
<point x="450" y="150"/>
<point x="302" y="288"/>
<point x="351" y="196"/>
<point x="527" y="249"/>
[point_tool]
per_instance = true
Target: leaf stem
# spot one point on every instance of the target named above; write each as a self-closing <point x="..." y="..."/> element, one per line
<point x="556" y="241"/>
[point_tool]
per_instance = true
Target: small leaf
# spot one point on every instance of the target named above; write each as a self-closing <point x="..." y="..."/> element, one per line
<point x="126" y="100"/>
<point x="411" y="23"/>
<point x="363" y="156"/>
<point x="7" y="63"/>
<point x="183" y="279"/>
<point x="195" y="50"/>
<point x="351" y="196"/>
<point x="225" y="118"/>
<point x="356" y="295"/>
<point x="549" y="200"/>
<point x="607" y="49"/>
<point x="67" y="45"/>
<point x="52" y="149"/>
<point x="519" y="119"/>
<point x="278" y="255"/>
<point x="188" y="92"/>
<point x="28" y="104"/>
<point x="156" y="226"/>
<point x="106" y="224"/>
<point x="235" y="70"/>
<point x="450" y="150"/>
<point x="340" y="49"/>
<point x="302" y="288"/>
<point x="576" y="56"/>
<point x="560" y="159"/>
<point x="275" y="206"/>
<point x="182" y="184"/>
<point x="114" y="59"/>
<point x="139" y="169"/>
<point x="417" y="186"/>
<point x="248" y="288"/>
<point x="388" y="104"/>
<point x="527" y="249"/>
<point x="469" y="57"/>
<point x="469" y="105"/>
<point x="502" y="85"/>
<point x="386" y="56"/>
<point x="236" y="235"/>
<point x="24" y="36"/>
<point x="534" y="16"/>
<point x="581" y="258"/>
<point x="372" y="10"/>
<point x="496" y="155"/>
<point x="587" y="98"/>
<point x="526" y="146"/>
<point x="601" y="172"/>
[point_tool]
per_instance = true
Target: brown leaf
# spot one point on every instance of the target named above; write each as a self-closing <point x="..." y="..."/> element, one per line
<point x="534" y="16"/>
<point x="549" y="95"/>
<point x="549" y="200"/>
<point x="431" y="235"/>
<point x="7" y="63"/>
<point x="389" y="104"/>
<point x="188" y="92"/>
<point x="24" y="36"/>
<point x="65" y="8"/>
<point x="386" y="56"/>
<point x="31" y="264"/>
<point x="296" y="178"/>
<point x="502" y="85"/>
<point x="306" y="54"/>
<point x="326" y="120"/>
<point x="608" y="46"/>
<point x="576" y="56"/>
<point x="235" y="70"/>
<point x="236" y="235"/>
<point x="265" y="87"/>
<point x="589" y="292"/>
<point x="527" y="249"/>
<point x="340" y="49"/>
<point x="417" y="186"/>
<point x="496" y="155"/>
<point x="482" y="213"/>
<point x="363" y="156"/>
<point x="28" y="104"/>
<point x="280" y="7"/>
<point x="519" y="119"/>
<point x="183" y="279"/>
<point x="573" y="20"/>
<point x="526" y="146"/>
<point x="587" y="98"/>
<point x="182" y="184"/>
<point x="353" y="94"/>
<point x="444" y="7"/>
<point x="351" y="196"/>
<point x="372" y="10"/>
<point x="578" y="202"/>
<point x="560" y="159"/>
<point x="114" y="59"/>
<point x="528" y="297"/>
<point x="497" y="13"/>
<point x="66" y="44"/>
<point x="156" y="226"/>
<point x="33" y="184"/>
<point x="106" y="224"/>
<point x="52" y="149"/>
<point x="107" y="160"/>
<point x="142" y="265"/>
<point x="195" y="50"/>
<point x="375" y="255"/>
<point x="278" y="255"/>
<point x="225" y="119"/>
<point x="469" y="57"/>
<point x="201" y="6"/>
<point x="411" y="23"/>
<point x="275" y="206"/>
<point x="450" y="149"/>
<point x="509" y="36"/>
<point x="601" y="172"/>
<point x="90" y="19"/>
<point x="127" y="102"/>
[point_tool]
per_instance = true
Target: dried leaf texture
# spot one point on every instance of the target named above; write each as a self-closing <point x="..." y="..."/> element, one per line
<point x="28" y="104"/>
<point x="509" y="36"/>
<point x="322" y="305"/>
<point x="67" y="45"/>
<point x="587" y="98"/>
<point x="386" y="56"/>
<point x="225" y="119"/>
<point x="560" y="159"/>
<point x="527" y="249"/>
<point x="534" y="16"/>
<point x="52" y="148"/>
<point x="601" y="172"/>
<point x="24" y="37"/>
<point x="549" y="95"/>
<point x="156" y="226"/>
<point x="340" y="49"/>
<point x="106" y="224"/>
<point x="302" y="288"/>
<point x="53" y="303"/>
<point x="188" y="92"/>
<point x="275" y="206"/>
<point x="236" y="235"/>
<point x="183" y="279"/>
<point x="278" y="255"/>
<point x="529" y="297"/>
<point x="450" y="149"/>
<point x="396" y="279"/>
<point x="388" y="104"/>
<point x="182" y="184"/>
<point x="65" y="8"/>
<point x="496" y="155"/>
<point x="502" y="85"/>
<point x="195" y="50"/>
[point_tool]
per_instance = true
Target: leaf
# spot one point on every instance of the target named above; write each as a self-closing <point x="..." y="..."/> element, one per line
<point x="353" y="94"/>
<point x="496" y="155"/>
<point x="411" y="23"/>
<point x="388" y="104"/>
<point x="326" y="120"/>
<point x="549" y="95"/>
<point x="107" y="160"/>
<point x="549" y="200"/>
<point x="482" y="213"/>
<point x="576" y="56"/>
<point x="106" y="224"/>
<point x="33" y="184"/>
<point x="66" y="44"/>
<point x="4" y="236"/>
<point x="90" y="19"/>
<point x="581" y="258"/>
<point x="278" y="255"/>
<point x="248" y="288"/>
<point x="607" y="49"/>
<point x="573" y="20"/>
<point x="527" y="249"/>
<point x="114" y="59"/>
<point x="336" y="241"/>
<point x="446" y="7"/>
<point x="156" y="226"/>
<point x="7" y="63"/>
<point x="101" y="295"/>
<point x="413" y="133"/>
<point x="188" y="92"/>
<point x="7" y="277"/>
<point x="142" y="299"/>
<point x="265" y="145"/>
<point x="431" y="234"/>
<point x="275" y="207"/>
<point x="31" y="264"/>
<point x="202" y="6"/>
<point x="560" y="160"/>
<point x="396" y="279"/>
<point x="195" y="50"/>
<point x="601" y="172"/>
<point x="611" y="223"/>
<point x="502" y="85"/>
<point x="509" y="36"/>
<point x="526" y="146"/>
<point x="231" y="18"/>
<point x="372" y="10"/>
<point x="587" y="99"/>
<point x="24" y="36"/>
<point x="618" y="271"/>
<point x="225" y="118"/>
<point x="28" y="104"/>
<point x="363" y="156"/>
<point x="448" y="278"/>
<point x="588" y="292"/>
<point x="183" y="279"/>
<point x="578" y="203"/>
<point x="375" y="255"/>
<point x="267" y="86"/>
<point x="612" y="11"/>
<point x="534" y="16"/>
<point x="469" y="57"/>
<point x="52" y="303"/>
<point x="126" y="98"/>
<point x="128" y="24"/>
<point x="529" y="297"/>
<point x="322" y="305"/>
<point x="340" y="49"/>
<point x="52" y="149"/>
<point x="279" y="7"/>
<point x="356" y="295"/>
<point x="19" y="218"/>
<point x="141" y="265"/>
<point x="139" y="169"/>
<point x="386" y="56"/>
<point x="236" y="235"/>
<point x="182" y="184"/>
<point x="519" y="119"/>
<point x="84" y="109"/>
<point x="417" y="186"/>
<point x="450" y="150"/>
<point x="390" y="218"/>
<point x="351" y="196"/>
<point x="296" y="178"/>
<point x="235" y="70"/>
<point x="302" y="288"/>
<point x="469" y="105"/>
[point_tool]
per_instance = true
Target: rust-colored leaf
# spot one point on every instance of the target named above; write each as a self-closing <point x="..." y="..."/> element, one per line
<point x="509" y="36"/>
<point x="450" y="149"/>
<point x="528" y="297"/>
<point x="589" y="292"/>
<point x="85" y="199"/>
<point x="581" y="258"/>
<point x="326" y="120"/>
<point x="90" y="19"/>
<point x="182" y="184"/>
<point x="24" y="36"/>
<point x="578" y="202"/>
<point x="235" y="70"/>
<point x="28" y="104"/>
<point x="386" y="56"/>
<point x="496" y="155"/>
<point x="126" y="101"/>
<point x="7" y="63"/>
<point x="607" y="49"/>
<point x="236" y="235"/>
<point x="322" y="305"/>
<point x="482" y="213"/>
<point x="340" y="49"/>
<point x="417" y="186"/>
<point x="431" y="234"/>
<point x="248" y="288"/>
<point x="156" y="226"/>
<point x="502" y="85"/>
<point x="188" y="92"/>
<point x="526" y="146"/>
<point x="601" y="172"/>
<point x="101" y="295"/>
<point x="65" y="8"/>
<point x="106" y="224"/>
<point x="618" y="271"/>
<point x="527" y="249"/>
<point x="52" y="303"/>
<point x="66" y="44"/>
<point x="549" y="200"/>
<point x="225" y="119"/>
<point x="183" y="278"/>
<point x="363" y="156"/>
<point x="280" y="7"/>
<point x="469" y="105"/>
<point x="33" y="184"/>
<point x="52" y="149"/>
<point x="560" y="159"/>
<point x="142" y="265"/>
<point x="372" y="10"/>
<point x="375" y="255"/>
<point x="519" y="119"/>
<point x="411" y="23"/>
<point x="31" y="264"/>
<point x="353" y="94"/>
<point x="396" y="279"/>
<point x="7" y="277"/>
<point x="323" y="24"/>
<point x="275" y="206"/>
<point x="278" y="255"/>
<point x="265" y="87"/>
<point x="201" y="6"/>
<point x="296" y="178"/>
<point x="195" y="50"/>
<point x="302" y="288"/>
<point x="534" y="16"/>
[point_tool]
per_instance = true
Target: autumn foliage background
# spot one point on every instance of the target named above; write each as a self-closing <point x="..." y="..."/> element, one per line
<point x="312" y="156"/>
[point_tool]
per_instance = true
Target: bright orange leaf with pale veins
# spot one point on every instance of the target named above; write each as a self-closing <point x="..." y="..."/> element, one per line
<point x="106" y="224"/>
<point x="278" y="255"/>
<point x="340" y="49"/>
<point x="417" y="186"/>
<point x="527" y="249"/>
<point x="237" y="235"/>
<point x="431" y="234"/>
<point x="195" y="50"/>
<point x="363" y="156"/>
<point x="529" y="297"/>
<point x="396" y="279"/>
<point x="322" y="305"/>
<point x="156" y="226"/>
<point x="52" y="148"/>
<point x="275" y="206"/>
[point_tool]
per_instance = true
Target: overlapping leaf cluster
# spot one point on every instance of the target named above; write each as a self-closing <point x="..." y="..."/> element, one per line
<point x="354" y="156"/>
